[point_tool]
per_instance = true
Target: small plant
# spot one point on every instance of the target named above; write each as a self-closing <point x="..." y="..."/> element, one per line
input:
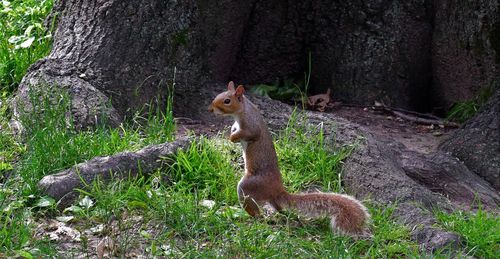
<point x="462" y="111"/>
<point x="287" y="90"/>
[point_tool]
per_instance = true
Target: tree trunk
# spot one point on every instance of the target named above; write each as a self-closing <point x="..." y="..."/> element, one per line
<point x="124" y="52"/>
<point x="114" y="57"/>
<point x="477" y="142"/>
<point x="466" y="49"/>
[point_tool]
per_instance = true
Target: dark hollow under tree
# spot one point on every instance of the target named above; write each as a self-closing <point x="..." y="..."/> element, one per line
<point x="113" y="57"/>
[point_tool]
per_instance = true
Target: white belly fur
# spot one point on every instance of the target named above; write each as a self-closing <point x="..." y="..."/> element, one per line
<point x="235" y="128"/>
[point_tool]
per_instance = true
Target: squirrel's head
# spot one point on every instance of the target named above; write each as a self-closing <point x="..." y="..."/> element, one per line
<point x="229" y="102"/>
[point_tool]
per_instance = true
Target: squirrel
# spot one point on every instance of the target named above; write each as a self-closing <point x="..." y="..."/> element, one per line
<point x="262" y="182"/>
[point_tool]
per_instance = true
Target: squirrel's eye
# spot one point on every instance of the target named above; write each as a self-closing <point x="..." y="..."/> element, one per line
<point x="227" y="101"/>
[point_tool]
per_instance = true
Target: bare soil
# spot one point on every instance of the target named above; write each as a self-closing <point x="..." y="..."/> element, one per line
<point x="416" y="137"/>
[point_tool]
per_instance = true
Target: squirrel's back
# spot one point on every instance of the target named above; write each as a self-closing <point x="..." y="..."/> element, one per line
<point x="259" y="154"/>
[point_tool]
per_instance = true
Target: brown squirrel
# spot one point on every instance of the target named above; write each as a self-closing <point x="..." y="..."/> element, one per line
<point x="262" y="181"/>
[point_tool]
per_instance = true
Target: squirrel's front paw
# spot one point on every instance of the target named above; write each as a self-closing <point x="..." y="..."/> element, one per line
<point x="233" y="138"/>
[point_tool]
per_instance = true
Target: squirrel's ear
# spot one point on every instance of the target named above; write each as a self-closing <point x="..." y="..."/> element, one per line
<point x="230" y="86"/>
<point x="239" y="91"/>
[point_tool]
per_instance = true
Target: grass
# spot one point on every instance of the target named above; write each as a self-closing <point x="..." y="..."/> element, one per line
<point x="51" y="144"/>
<point x="305" y="157"/>
<point x="23" y="39"/>
<point x="480" y="231"/>
<point x="207" y="172"/>
<point x="174" y="218"/>
<point x="462" y="111"/>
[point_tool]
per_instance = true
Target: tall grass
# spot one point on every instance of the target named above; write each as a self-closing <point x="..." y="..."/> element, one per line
<point x="23" y="38"/>
<point x="306" y="158"/>
<point x="462" y="111"/>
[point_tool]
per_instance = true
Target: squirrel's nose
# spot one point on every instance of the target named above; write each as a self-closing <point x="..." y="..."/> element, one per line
<point x="211" y="108"/>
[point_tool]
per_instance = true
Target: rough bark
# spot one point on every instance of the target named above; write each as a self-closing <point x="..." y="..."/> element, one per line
<point x="114" y="57"/>
<point x="477" y="142"/>
<point x="124" y="52"/>
<point x="61" y="186"/>
<point x="466" y="49"/>
<point x="373" y="50"/>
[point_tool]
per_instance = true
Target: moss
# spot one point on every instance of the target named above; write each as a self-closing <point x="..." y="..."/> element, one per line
<point x="180" y="38"/>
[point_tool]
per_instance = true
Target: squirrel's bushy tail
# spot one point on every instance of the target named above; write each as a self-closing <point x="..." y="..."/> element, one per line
<point x="348" y="215"/>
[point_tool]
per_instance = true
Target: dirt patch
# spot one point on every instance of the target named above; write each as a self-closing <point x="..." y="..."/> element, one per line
<point x="415" y="137"/>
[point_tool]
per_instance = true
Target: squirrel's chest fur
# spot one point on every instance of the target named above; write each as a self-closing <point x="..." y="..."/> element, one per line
<point x="236" y="127"/>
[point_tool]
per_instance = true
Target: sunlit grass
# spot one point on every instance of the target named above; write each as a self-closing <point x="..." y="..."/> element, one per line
<point x="209" y="171"/>
<point x="23" y="38"/>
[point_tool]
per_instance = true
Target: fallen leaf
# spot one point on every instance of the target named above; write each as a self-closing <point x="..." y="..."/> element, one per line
<point x="65" y="219"/>
<point x="86" y="202"/>
<point x="319" y="101"/>
<point x="45" y="202"/>
<point x="74" y="208"/>
<point x="27" y="43"/>
<point x="95" y="230"/>
<point x="270" y="239"/>
<point x="59" y="231"/>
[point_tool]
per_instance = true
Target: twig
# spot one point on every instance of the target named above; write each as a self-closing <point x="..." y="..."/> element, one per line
<point x="425" y="121"/>
<point x="415" y="116"/>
